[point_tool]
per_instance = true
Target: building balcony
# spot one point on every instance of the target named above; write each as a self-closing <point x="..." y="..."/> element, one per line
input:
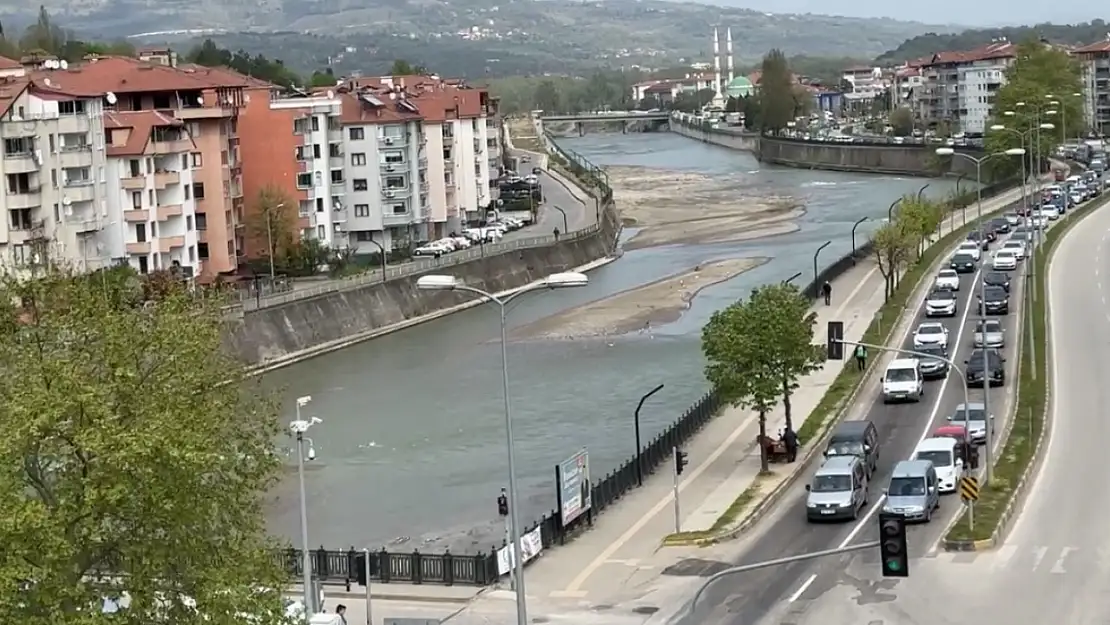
<point x="20" y="163"/>
<point x="166" y="244"/>
<point x="136" y="216"/>
<point x="163" y="179"/>
<point x="393" y="142"/>
<point x="204" y="112"/>
<point x="394" y="168"/>
<point x="138" y="248"/>
<point x="134" y="183"/>
<point x="79" y="191"/>
<point x="176" y="146"/>
<point x="397" y="219"/>
<point x="85" y="226"/>
<point x="31" y="199"/>
<point x="75" y="158"/>
<point x="395" y="193"/>
<point x="168" y="211"/>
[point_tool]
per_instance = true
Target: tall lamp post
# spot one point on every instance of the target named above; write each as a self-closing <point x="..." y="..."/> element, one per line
<point x="298" y="429"/>
<point x="554" y="281"/>
<point x="639" y="447"/>
<point x="270" y="236"/>
<point x="1063" y="114"/>
<point x="1026" y="138"/>
<point x="982" y="284"/>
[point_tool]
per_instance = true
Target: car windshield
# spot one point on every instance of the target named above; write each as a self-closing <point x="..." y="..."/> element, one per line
<point x="990" y="326"/>
<point x="1013" y="244"/>
<point x="931" y="350"/>
<point x="935" y="295"/>
<point x="994" y="293"/>
<point x="901" y="375"/>
<point x="963" y="258"/>
<point x="1004" y="254"/>
<point x="907" y="486"/>
<point x="947" y="273"/>
<point x="939" y="458"/>
<point x="845" y="448"/>
<point x="930" y="330"/>
<point x="831" y="483"/>
<point x="961" y="416"/>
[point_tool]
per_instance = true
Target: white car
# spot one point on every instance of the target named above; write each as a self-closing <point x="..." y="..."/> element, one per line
<point x="941" y="303"/>
<point x="947" y="279"/>
<point x="1004" y="260"/>
<point x="971" y="248"/>
<point x="1050" y="213"/>
<point x="432" y="249"/>
<point x="1012" y="218"/>
<point x="930" y="333"/>
<point x="1076" y="199"/>
<point x="942" y="452"/>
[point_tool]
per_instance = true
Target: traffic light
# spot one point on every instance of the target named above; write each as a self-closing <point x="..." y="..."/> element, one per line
<point x="892" y="545"/>
<point x="680" y="461"/>
<point x="836" y="340"/>
<point x="502" y="504"/>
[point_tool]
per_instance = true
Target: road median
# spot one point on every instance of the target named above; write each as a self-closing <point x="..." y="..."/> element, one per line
<point x="767" y="490"/>
<point x="1022" y="452"/>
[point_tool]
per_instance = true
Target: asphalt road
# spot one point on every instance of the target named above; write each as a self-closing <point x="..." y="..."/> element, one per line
<point x="748" y="598"/>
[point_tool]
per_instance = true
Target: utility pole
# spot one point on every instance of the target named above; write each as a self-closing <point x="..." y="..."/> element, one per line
<point x="680" y="462"/>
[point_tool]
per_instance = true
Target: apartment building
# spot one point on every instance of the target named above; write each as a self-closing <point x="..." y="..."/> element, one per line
<point x="958" y="88"/>
<point x="120" y="95"/>
<point x="906" y="85"/>
<point x="54" y="198"/>
<point x="376" y="163"/>
<point x="1095" y="60"/>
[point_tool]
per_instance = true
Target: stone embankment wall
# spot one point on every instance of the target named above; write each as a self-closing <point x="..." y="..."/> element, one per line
<point x="873" y="158"/>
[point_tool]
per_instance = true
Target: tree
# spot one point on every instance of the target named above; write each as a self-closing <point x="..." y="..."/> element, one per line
<point x="919" y="218"/>
<point x="271" y="223"/>
<point x="137" y="457"/>
<point x="1040" y="75"/>
<point x="756" y="350"/>
<point x="776" y="87"/>
<point x="404" y="68"/>
<point x="323" y="78"/>
<point x="547" y="97"/>
<point x="891" y="246"/>
<point x="44" y="35"/>
<point x="901" y="119"/>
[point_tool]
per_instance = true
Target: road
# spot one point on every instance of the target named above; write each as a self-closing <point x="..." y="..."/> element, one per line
<point x="748" y="598"/>
<point x="560" y="193"/>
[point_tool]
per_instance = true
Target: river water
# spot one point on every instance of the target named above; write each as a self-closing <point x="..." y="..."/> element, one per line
<point x="411" y="451"/>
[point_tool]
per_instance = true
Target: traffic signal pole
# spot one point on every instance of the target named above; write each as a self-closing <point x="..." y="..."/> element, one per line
<point x="679" y="462"/>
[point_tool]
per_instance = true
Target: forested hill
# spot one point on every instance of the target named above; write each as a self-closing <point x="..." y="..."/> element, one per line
<point x="930" y="43"/>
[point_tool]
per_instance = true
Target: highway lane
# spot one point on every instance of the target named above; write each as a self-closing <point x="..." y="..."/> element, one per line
<point x="748" y="598"/>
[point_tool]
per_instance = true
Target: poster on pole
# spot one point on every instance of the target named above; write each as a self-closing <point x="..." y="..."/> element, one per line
<point x="531" y="544"/>
<point x="574" y="486"/>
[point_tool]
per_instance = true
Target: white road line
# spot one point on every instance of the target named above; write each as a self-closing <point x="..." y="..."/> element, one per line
<point x="1002" y="557"/>
<point x="801" y="590"/>
<point x="1058" y="567"/>
<point x="607" y="553"/>
<point x="1038" y="556"/>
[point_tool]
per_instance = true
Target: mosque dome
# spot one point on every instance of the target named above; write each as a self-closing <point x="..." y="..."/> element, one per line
<point x="739" y="87"/>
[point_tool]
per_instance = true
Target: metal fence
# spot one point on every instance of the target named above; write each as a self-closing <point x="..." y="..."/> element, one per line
<point x="406" y="568"/>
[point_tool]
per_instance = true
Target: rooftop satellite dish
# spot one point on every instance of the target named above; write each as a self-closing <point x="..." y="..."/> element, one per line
<point x="339" y="83"/>
<point x="46" y="81"/>
<point x="331" y="94"/>
<point x="66" y="201"/>
<point x="110" y="97"/>
<point x="200" y="100"/>
<point x="64" y="64"/>
<point x="247" y="98"/>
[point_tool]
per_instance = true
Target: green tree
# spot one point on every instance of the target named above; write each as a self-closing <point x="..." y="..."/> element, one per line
<point x="271" y="224"/>
<point x="901" y="119"/>
<point x="1039" y="76"/>
<point x="919" y="219"/>
<point x="402" y="67"/>
<point x="777" y="97"/>
<point x="794" y="350"/>
<point x="44" y="35"/>
<point x="547" y="98"/>
<point x="323" y="78"/>
<point x="132" y="446"/>
<point x="891" y="246"/>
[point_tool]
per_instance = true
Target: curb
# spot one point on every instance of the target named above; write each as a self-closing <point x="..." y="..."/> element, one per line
<point x="1020" y="493"/>
<point x="772" y="498"/>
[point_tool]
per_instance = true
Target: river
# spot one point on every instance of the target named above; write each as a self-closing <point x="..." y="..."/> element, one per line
<point x="411" y="451"/>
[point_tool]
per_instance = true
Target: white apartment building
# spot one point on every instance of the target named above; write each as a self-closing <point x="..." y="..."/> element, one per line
<point x="979" y="82"/>
<point x="388" y="166"/>
<point x="907" y="82"/>
<point x="153" y="223"/>
<point x="959" y="88"/>
<point x="1095" y="59"/>
<point x="54" y="172"/>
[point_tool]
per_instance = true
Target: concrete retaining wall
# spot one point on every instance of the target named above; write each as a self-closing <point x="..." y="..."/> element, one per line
<point x="724" y="137"/>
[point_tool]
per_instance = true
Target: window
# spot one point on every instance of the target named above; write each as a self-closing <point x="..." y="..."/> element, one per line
<point x="355" y="134"/>
<point x="161" y="101"/>
<point x="202" y="224"/>
<point x="358" y="158"/>
<point x="400" y="209"/>
<point x="447" y="154"/>
<point x="198" y="160"/>
<point x="303" y="153"/>
<point x="337" y="176"/>
<point x="305" y="208"/>
<point x="21" y="183"/>
<point x="144" y="264"/>
<point x="360" y="184"/>
<point x="75" y="141"/>
<point x="189" y="224"/>
<point x="304" y="181"/>
<point x="135" y="167"/>
<point x="362" y="210"/>
<point x="77" y="176"/>
<point x="198" y="190"/>
<point x="21" y="254"/>
<point x="335" y="150"/>
<point x="140" y="233"/>
<point x="202" y="248"/>
<point x="393" y="157"/>
<point x="184" y="162"/>
<point x="136" y="200"/>
<point x="395" y="182"/>
<point x="20" y="146"/>
<point x="301" y="126"/>
<point x="188" y="192"/>
<point x="71" y="107"/>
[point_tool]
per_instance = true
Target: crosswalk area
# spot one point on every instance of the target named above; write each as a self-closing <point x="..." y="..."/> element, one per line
<point x="1040" y="559"/>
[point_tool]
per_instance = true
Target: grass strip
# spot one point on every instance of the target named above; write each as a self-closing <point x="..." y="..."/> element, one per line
<point x="1029" y="413"/>
<point x="727" y="518"/>
<point x="881" y="329"/>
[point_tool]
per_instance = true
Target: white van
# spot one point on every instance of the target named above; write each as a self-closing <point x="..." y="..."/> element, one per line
<point x="942" y="453"/>
<point x="902" y="381"/>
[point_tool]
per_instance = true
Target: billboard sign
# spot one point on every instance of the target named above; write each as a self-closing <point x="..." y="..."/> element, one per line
<point x="531" y="544"/>
<point x="574" y="486"/>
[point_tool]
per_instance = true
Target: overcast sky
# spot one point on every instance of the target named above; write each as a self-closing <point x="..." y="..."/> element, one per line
<point x="982" y="13"/>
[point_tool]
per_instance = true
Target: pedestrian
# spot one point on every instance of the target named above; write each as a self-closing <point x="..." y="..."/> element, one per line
<point x="826" y="289"/>
<point x="556" y="232"/>
<point x="790" y="440"/>
<point x="341" y="610"/>
<point x="861" y="357"/>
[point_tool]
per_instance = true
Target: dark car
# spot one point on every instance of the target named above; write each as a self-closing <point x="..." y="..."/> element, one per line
<point x="991" y="368"/>
<point x="934" y="362"/>
<point x="997" y="279"/>
<point x="983" y="238"/>
<point x="963" y="263"/>
<point x="995" y="301"/>
<point x="1000" y="226"/>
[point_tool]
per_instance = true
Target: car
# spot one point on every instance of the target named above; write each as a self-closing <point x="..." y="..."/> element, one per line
<point x="934" y="361"/>
<point x="989" y="333"/>
<point x="1076" y="199"/>
<point x="1017" y="246"/>
<point x="944" y="454"/>
<point x="947" y="279"/>
<point x="1022" y="233"/>
<point x="999" y="225"/>
<point x="971" y="248"/>
<point x="941" y="303"/>
<point x="930" y="333"/>
<point x="973" y="417"/>
<point x="994" y="300"/>
<point x="998" y="279"/>
<point x="1004" y="260"/>
<point x="1012" y="218"/>
<point x="432" y="249"/>
<point x="983" y="238"/>
<point x="985" y="365"/>
<point x="962" y="263"/>
<point x="1050" y="212"/>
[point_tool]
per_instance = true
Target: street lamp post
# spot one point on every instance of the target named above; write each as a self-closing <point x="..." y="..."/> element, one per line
<point x="921" y="191"/>
<point x="270" y="236"/>
<point x="815" y="255"/>
<point x="854" y="226"/>
<point x="982" y="284"/>
<point x="639" y="447"/>
<point x="890" y="211"/>
<point x="554" y="281"/>
<point x="566" y="228"/>
<point x="298" y="429"/>
<point x="1063" y="115"/>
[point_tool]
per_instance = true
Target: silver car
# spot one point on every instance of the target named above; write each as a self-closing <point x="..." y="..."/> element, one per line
<point x="990" y="333"/>
<point x="974" y="419"/>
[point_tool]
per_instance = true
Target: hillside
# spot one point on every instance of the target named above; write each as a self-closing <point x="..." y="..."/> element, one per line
<point x="930" y="43"/>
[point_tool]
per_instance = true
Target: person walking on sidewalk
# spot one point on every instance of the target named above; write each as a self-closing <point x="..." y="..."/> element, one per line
<point x="861" y="357"/>
<point x="790" y="441"/>
<point x="826" y="289"/>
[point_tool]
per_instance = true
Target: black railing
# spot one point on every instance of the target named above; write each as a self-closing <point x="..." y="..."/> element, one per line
<point x="409" y="568"/>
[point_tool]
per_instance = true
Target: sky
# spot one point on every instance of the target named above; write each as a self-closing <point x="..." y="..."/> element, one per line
<point x="974" y="14"/>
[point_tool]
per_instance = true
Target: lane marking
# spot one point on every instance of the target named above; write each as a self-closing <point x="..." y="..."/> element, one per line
<point x="1002" y="557"/>
<point x="607" y="553"/>
<point x="801" y="589"/>
<point x="1038" y="556"/>
<point x="1058" y="567"/>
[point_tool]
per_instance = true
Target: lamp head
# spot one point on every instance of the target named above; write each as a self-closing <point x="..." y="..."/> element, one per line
<point x="565" y="280"/>
<point x="1077" y="95"/>
<point x="1054" y="103"/>
<point x="304" y="400"/>
<point x="1015" y="152"/>
<point x="945" y="151"/>
<point x="437" y="282"/>
<point x="998" y="127"/>
<point x="1047" y="126"/>
<point x="1009" y="113"/>
<point x="1020" y="104"/>
<point x="1050" y="112"/>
